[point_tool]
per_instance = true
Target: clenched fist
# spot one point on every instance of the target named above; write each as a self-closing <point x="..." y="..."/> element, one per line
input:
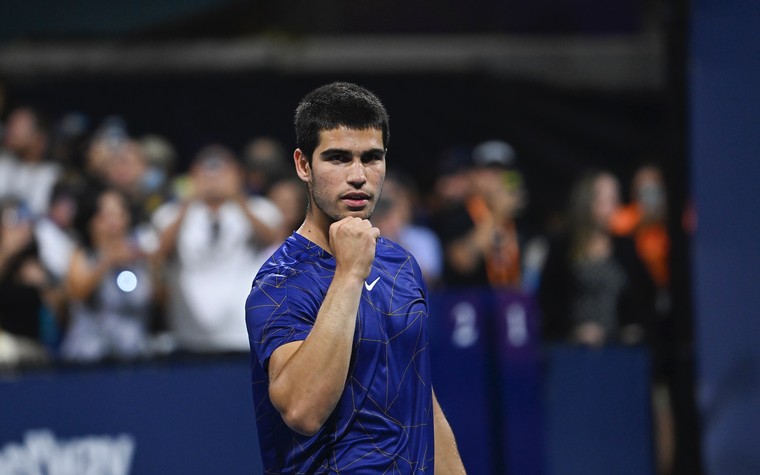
<point x="353" y="242"/>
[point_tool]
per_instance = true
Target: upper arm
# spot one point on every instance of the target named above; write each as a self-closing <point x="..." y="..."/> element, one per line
<point x="278" y="321"/>
<point x="280" y="358"/>
<point x="436" y="406"/>
<point x="78" y="275"/>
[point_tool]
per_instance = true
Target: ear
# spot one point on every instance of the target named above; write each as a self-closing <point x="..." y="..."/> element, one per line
<point x="303" y="168"/>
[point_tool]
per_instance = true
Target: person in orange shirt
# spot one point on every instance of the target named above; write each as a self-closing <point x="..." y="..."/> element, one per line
<point x="481" y="240"/>
<point x="644" y="219"/>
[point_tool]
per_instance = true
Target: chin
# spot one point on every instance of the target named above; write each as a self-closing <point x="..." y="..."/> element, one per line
<point x="363" y="213"/>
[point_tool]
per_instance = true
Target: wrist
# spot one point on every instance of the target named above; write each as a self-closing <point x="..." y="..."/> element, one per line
<point x="348" y="277"/>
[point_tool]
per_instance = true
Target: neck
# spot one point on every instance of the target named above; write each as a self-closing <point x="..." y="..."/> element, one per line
<point x="599" y="245"/>
<point x="316" y="232"/>
<point x="31" y="154"/>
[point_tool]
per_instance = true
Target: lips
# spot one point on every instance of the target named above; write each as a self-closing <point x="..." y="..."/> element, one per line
<point x="356" y="200"/>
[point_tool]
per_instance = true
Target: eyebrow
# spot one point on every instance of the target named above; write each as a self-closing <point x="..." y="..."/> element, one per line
<point x="343" y="151"/>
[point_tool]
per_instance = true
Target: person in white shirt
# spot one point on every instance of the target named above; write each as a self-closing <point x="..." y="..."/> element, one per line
<point x="25" y="173"/>
<point x="210" y="243"/>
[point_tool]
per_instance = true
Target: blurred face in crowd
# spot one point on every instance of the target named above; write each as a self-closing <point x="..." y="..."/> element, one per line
<point x="500" y="188"/>
<point x="101" y="153"/>
<point x="62" y="210"/>
<point x="21" y="131"/>
<point x="452" y="187"/>
<point x="112" y="218"/>
<point x="403" y="202"/>
<point x="606" y="199"/>
<point x="345" y="175"/>
<point x="216" y="178"/>
<point x="394" y="209"/>
<point x="126" y="166"/>
<point x="649" y="192"/>
<point x="290" y="198"/>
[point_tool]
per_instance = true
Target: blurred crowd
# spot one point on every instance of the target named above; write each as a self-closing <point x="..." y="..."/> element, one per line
<point x="114" y="248"/>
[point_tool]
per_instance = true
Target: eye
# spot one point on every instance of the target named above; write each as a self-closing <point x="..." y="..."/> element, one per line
<point x="372" y="157"/>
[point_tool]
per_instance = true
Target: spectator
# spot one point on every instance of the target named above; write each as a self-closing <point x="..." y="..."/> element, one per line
<point x="69" y="137"/>
<point x="482" y="242"/>
<point x="394" y="216"/>
<point x="126" y="170"/>
<point x="289" y="195"/>
<point x="57" y="237"/>
<point x="26" y="292"/>
<point x="266" y="162"/>
<point x="645" y="220"/>
<point x="25" y="172"/>
<point x="104" y="144"/>
<point x="211" y="242"/>
<point x="161" y="159"/>
<point x="451" y="185"/>
<point x="109" y="283"/>
<point x="594" y="288"/>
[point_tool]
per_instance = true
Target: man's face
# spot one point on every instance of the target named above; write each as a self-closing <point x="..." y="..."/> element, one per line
<point x="20" y="131"/>
<point x="606" y="200"/>
<point x="346" y="173"/>
<point x="216" y="179"/>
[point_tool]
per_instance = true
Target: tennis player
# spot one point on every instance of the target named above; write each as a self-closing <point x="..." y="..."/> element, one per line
<point x="337" y="317"/>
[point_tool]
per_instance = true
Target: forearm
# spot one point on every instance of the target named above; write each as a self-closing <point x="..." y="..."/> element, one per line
<point x="168" y="238"/>
<point x="265" y="233"/>
<point x="465" y="252"/>
<point x="462" y="256"/>
<point x="447" y="458"/>
<point x="306" y="388"/>
<point x="83" y="277"/>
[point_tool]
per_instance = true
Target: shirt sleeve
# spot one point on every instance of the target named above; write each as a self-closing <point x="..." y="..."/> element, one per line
<point x="281" y="308"/>
<point x="165" y="215"/>
<point x="265" y="210"/>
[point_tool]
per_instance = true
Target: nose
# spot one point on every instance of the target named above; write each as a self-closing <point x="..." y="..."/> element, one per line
<point x="356" y="175"/>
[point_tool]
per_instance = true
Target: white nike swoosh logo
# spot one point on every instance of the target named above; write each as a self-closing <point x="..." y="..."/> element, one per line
<point x="369" y="287"/>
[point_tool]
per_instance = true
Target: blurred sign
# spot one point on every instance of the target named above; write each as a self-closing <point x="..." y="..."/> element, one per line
<point x="183" y="417"/>
<point x="486" y="373"/>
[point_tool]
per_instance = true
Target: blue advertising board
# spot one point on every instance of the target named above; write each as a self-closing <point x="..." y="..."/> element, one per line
<point x="459" y="339"/>
<point x="598" y="411"/>
<point x="189" y="418"/>
<point x="515" y="405"/>
<point x="519" y="358"/>
<point x="487" y="375"/>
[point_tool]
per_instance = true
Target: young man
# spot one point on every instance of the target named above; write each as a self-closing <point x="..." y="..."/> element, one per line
<point x="337" y="318"/>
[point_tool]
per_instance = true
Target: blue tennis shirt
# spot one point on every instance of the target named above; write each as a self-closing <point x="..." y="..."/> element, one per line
<point x="383" y="422"/>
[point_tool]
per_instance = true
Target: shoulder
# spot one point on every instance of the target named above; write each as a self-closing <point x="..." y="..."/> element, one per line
<point x="263" y="207"/>
<point x="292" y="262"/>
<point x="387" y="248"/>
<point x="50" y="169"/>
<point x="293" y="283"/>
<point x="395" y="259"/>
<point x="165" y="214"/>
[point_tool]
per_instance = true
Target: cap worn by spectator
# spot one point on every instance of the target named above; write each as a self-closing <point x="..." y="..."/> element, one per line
<point x="214" y="156"/>
<point x="494" y="153"/>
